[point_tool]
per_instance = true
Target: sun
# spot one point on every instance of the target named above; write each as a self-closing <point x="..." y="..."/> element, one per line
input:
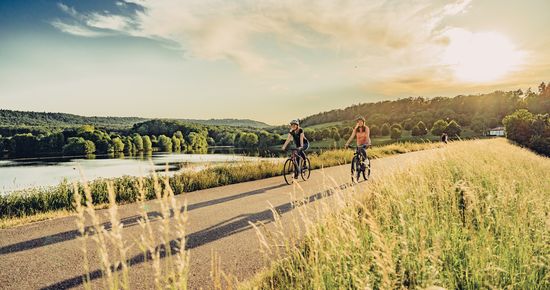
<point x="480" y="57"/>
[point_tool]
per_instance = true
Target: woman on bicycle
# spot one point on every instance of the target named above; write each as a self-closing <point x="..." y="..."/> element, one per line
<point x="297" y="134"/>
<point x="362" y="132"/>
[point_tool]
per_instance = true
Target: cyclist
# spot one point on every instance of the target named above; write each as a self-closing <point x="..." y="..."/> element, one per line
<point x="362" y="132"/>
<point x="297" y="134"/>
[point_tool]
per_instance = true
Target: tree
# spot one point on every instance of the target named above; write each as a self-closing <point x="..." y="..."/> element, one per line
<point x="117" y="144"/>
<point x="248" y="140"/>
<point x="176" y="143"/>
<point x="415" y="131"/>
<point x="147" y="144"/>
<point x="25" y="144"/>
<point x="423" y="130"/>
<point x="197" y="142"/>
<point x="396" y="125"/>
<point x="453" y="129"/>
<point x="395" y="133"/>
<point x="385" y="130"/>
<point x="518" y="126"/>
<point x="439" y="127"/>
<point x="137" y="142"/>
<point x="326" y="133"/>
<point x="374" y="130"/>
<point x="78" y="146"/>
<point x="165" y="143"/>
<point x="129" y="145"/>
<point x="408" y="124"/>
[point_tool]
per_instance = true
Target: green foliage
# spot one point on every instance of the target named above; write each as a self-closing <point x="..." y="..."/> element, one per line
<point x="117" y="144"/>
<point x="137" y="141"/>
<point x="395" y="133"/>
<point x="453" y="129"/>
<point x="529" y="130"/>
<point x="248" y="140"/>
<point x="147" y="144"/>
<point x="519" y="126"/>
<point x="79" y="146"/>
<point x="385" y="130"/>
<point x="419" y="129"/>
<point x="374" y="130"/>
<point x="164" y="143"/>
<point x="439" y="127"/>
<point x="129" y="147"/>
<point x="176" y="144"/>
<point x="24" y="144"/>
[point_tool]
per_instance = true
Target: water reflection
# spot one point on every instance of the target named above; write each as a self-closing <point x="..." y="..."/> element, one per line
<point x="16" y="174"/>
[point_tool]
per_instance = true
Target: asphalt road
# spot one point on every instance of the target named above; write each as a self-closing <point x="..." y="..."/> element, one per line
<point x="48" y="254"/>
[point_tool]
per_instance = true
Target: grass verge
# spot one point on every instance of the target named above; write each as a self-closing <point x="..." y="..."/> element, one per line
<point x="476" y="217"/>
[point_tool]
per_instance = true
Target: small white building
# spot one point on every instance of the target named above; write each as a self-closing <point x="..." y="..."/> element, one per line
<point x="498" y="131"/>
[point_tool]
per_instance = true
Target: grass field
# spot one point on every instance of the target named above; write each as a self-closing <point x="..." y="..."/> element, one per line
<point x="386" y="140"/>
<point x="44" y="203"/>
<point x="475" y="217"/>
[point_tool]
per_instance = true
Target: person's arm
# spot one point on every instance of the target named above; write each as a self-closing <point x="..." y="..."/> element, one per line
<point x="351" y="137"/>
<point x="287" y="141"/>
<point x="302" y="136"/>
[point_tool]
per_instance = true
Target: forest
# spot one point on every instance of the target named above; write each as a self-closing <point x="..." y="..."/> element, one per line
<point x="153" y="135"/>
<point x="479" y="112"/>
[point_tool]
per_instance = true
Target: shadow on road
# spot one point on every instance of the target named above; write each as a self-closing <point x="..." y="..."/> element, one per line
<point x="221" y="230"/>
<point x="126" y="222"/>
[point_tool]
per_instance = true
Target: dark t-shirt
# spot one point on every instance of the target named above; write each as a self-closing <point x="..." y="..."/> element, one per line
<point x="296" y="136"/>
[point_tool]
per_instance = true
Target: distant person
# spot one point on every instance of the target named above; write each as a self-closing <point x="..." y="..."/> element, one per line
<point x="444" y="138"/>
<point x="300" y="141"/>
<point x="362" y="132"/>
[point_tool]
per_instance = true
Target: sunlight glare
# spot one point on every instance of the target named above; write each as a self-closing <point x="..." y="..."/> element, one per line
<point x="480" y="57"/>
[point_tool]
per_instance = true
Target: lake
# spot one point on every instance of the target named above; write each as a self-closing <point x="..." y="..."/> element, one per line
<point x="17" y="174"/>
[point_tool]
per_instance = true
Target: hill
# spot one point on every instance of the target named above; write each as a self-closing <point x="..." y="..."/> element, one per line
<point x="18" y="119"/>
<point x="479" y="111"/>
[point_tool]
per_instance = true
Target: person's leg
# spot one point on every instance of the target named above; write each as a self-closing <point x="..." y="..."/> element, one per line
<point x="364" y="152"/>
<point x="303" y="152"/>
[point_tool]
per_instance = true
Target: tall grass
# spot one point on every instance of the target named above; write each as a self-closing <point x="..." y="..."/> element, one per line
<point x="166" y="239"/>
<point x="477" y="216"/>
<point x="42" y="200"/>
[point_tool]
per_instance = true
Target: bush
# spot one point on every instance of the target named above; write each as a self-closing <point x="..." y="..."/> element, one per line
<point x="165" y="143"/>
<point x="395" y="133"/>
<point x="453" y="129"/>
<point x="78" y="146"/>
<point x="385" y="130"/>
<point x="439" y="127"/>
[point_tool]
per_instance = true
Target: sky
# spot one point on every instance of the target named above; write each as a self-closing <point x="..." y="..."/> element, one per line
<point x="267" y="60"/>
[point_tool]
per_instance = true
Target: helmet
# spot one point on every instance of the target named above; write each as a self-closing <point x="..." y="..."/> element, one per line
<point x="359" y="117"/>
<point x="295" y="121"/>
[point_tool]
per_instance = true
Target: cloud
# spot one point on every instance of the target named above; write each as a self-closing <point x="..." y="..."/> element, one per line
<point x="76" y="29"/>
<point x="234" y="30"/>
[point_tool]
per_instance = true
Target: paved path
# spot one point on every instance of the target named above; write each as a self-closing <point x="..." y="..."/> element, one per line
<point x="48" y="254"/>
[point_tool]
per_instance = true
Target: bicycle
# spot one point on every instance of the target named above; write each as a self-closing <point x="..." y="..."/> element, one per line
<point x="292" y="169"/>
<point x="359" y="166"/>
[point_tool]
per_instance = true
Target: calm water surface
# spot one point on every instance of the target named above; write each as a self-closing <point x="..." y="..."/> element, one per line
<point x="17" y="174"/>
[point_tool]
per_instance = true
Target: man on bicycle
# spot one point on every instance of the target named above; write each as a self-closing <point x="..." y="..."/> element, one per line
<point x="297" y="134"/>
<point x="362" y="132"/>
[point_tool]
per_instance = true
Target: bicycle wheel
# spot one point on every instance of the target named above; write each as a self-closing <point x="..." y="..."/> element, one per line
<point x="366" y="171"/>
<point x="306" y="169"/>
<point x="354" y="172"/>
<point x="288" y="171"/>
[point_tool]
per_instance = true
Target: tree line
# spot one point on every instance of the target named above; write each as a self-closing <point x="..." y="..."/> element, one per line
<point x="479" y="112"/>
<point x="153" y="135"/>
<point x="529" y="130"/>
